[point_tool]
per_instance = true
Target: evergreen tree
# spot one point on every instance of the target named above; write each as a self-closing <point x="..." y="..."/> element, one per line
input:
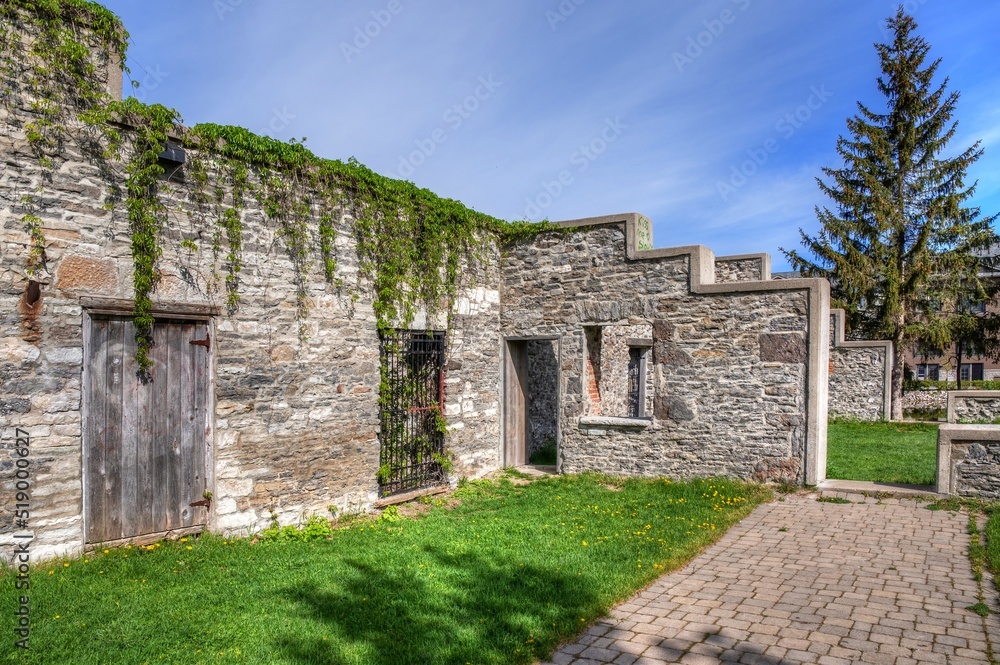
<point x="900" y="249"/>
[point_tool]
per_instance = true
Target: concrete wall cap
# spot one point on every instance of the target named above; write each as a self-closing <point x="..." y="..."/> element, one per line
<point x="607" y="421"/>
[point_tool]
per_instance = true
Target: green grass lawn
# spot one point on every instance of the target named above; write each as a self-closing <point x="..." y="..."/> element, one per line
<point x="993" y="544"/>
<point x="882" y="452"/>
<point x="503" y="577"/>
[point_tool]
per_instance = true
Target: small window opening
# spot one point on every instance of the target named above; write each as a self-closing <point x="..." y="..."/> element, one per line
<point x="637" y="381"/>
<point x="593" y="340"/>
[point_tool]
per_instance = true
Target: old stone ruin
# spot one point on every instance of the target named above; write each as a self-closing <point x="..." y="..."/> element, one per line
<point x="298" y="398"/>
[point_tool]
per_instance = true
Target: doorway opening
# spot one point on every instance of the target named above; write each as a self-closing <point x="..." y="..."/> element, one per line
<point x="146" y="441"/>
<point x="531" y="402"/>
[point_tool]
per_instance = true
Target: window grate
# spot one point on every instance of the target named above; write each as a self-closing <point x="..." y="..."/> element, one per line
<point x="636" y="381"/>
<point x="411" y="403"/>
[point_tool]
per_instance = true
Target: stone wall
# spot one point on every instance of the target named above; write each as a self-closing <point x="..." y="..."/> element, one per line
<point x="974" y="406"/>
<point x="743" y="268"/>
<point x="736" y="376"/>
<point x="969" y="461"/>
<point x="731" y="369"/>
<point x="542" y="394"/>
<point x="860" y="375"/>
<point x="925" y="400"/>
<point x="295" y="426"/>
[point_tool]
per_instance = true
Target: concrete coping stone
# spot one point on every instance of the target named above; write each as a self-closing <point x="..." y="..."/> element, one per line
<point x="951" y="434"/>
<point x="955" y="395"/>
<point x="608" y="421"/>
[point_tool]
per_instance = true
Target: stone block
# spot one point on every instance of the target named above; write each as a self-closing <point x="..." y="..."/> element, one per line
<point x="671" y="408"/>
<point x="783" y="347"/>
<point x="15" y="350"/>
<point x="93" y="275"/>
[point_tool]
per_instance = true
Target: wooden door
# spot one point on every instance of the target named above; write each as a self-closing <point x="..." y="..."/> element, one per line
<point x="144" y="442"/>
<point x="515" y="404"/>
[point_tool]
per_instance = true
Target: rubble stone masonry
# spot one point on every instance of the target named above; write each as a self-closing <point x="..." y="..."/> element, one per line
<point x="295" y="423"/>
<point x="736" y="364"/>
<point x="859" y="375"/>
<point x="720" y="405"/>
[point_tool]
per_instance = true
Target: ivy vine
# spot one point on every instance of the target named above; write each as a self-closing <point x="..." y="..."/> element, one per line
<point x="150" y="127"/>
<point x="411" y="244"/>
<point x="49" y="77"/>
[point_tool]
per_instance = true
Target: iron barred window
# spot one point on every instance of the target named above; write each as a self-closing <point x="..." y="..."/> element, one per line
<point x="411" y="404"/>
<point x="637" y="382"/>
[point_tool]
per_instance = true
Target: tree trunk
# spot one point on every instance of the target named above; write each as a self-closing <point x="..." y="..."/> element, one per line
<point x="898" y="361"/>
<point x="958" y="364"/>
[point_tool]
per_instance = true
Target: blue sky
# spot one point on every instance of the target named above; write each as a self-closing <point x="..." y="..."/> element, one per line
<point x="571" y="108"/>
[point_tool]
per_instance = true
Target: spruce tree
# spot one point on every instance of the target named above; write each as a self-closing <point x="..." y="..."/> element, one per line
<point x="900" y="249"/>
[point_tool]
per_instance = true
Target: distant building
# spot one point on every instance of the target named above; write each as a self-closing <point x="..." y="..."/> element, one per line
<point x="926" y="365"/>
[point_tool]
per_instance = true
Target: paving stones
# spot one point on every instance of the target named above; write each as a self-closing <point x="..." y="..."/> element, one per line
<point x="800" y="581"/>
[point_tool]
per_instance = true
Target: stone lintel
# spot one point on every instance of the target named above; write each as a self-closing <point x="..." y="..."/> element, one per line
<point x="608" y="421"/>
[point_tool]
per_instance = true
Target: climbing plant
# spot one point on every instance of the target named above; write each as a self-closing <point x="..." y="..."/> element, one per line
<point x="150" y="126"/>
<point x="51" y="76"/>
<point x="411" y="243"/>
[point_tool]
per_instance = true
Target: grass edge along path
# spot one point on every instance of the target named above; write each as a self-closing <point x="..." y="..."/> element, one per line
<point x="984" y="555"/>
<point x="887" y="452"/>
<point x="504" y="576"/>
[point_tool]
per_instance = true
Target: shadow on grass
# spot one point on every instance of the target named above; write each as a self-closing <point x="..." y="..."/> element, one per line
<point x="471" y="610"/>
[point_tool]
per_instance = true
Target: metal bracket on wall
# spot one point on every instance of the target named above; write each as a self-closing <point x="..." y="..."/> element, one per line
<point x="207" y="342"/>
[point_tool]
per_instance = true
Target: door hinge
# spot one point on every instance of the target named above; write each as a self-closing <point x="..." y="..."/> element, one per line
<point x="207" y="342"/>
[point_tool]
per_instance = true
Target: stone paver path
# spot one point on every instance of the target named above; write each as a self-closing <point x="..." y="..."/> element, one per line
<point x="800" y="581"/>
